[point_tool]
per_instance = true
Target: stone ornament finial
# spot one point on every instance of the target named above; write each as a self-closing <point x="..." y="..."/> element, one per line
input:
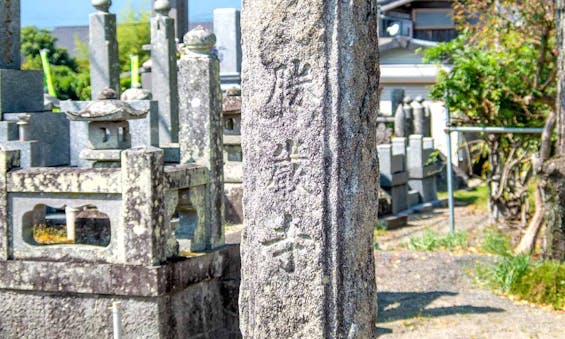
<point x="200" y="40"/>
<point x="107" y="94"/>
<point x="162" y="7"/>
<point x="102" y="5"/>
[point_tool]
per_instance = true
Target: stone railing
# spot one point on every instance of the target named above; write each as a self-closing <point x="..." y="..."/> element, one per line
<point x="146" y="206"/>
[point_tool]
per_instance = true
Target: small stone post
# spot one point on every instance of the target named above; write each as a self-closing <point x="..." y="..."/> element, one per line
<point x="400" y="122"/>
<point x="23" y="126"/>
<point x="228" y="31"/>
<point x="164" y="82"/>
<point x="201" y="129"/>
<point x="408" y="117"/>
<point x="309" y="93"/>
<point x="419" y="116"/>
<point x="71" y="218"/>
<point x="103" y="47"/>
<point x="396" y="96"/>
<point x="144" y="206"/>
<point x="10" y="34"/>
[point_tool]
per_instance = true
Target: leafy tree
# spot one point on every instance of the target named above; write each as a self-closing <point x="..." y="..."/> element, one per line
<point x="503" y="74"/>
<point x="69" y="78"/>
<point x="134" y="31"/>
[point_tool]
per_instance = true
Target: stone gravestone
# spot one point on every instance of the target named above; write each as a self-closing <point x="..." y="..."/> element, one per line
<point x="10" y="34"/>
<point x="164" y="72"/>
<point x="228" y="31"/>
<point x="310" y="90"/>
<point x="103" y="49"/>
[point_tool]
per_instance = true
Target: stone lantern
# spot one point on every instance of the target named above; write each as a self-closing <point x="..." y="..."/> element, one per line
<point x="108" y="128"/>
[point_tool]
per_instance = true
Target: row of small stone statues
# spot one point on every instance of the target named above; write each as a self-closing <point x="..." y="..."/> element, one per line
<point x="412" y="116"/>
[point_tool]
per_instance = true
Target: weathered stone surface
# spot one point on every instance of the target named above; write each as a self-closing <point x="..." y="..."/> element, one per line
<point x="23" y="217"/>
<point x="185" y="176"/>
<point x="48" y="299"/>
<point x="201" y="130"/>
<point x="145" y="233"/>
<point x="310" y="93"/>
<point x="8" y="160"/>
<point x="103" y="47"/>
<point x="164" y="77"/>
<point x="233" y="203"/>
<point x="10" y="57"/>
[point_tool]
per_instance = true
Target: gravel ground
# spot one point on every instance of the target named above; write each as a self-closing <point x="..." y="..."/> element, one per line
<point x="431" y="294"/>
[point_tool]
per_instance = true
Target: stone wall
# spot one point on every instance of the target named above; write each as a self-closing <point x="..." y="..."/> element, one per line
<point x="191" y="298"/>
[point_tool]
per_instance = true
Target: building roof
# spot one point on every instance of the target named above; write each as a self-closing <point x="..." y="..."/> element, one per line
<point x="68" y="35"/>
<point x="386" y="44"/>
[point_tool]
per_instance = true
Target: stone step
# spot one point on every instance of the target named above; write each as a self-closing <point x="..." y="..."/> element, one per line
<point x="413" y="198"/>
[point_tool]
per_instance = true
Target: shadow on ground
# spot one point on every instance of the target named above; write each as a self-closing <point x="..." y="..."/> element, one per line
<point x="406" y="305"/>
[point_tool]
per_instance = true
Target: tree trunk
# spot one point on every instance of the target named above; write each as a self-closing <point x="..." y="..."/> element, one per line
<point x="553" y="174"/>
<point x="528" y="241"/>
<point x="553" y="181"/>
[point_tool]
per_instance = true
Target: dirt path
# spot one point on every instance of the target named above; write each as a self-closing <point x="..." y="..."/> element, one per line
<point x="431" y="294"/>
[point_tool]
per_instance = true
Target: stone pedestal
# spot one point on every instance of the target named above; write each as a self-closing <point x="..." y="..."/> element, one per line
<point x="422" y="170"/>
<point x="103" y="47"/>
<point x="164" y="82"/>
<point x="394" y="176"/>
<point x="309" y="93"/>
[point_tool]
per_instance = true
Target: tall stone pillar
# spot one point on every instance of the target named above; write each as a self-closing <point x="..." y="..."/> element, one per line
<point x="10" y="34"/>
<point x="164" y="72"/>
<point x="310" y="97"/>
<point x="178" y="11"/>
<point x="228" y="31"/>
<point x="103" y="49"/>
<point x="200" y="112"/>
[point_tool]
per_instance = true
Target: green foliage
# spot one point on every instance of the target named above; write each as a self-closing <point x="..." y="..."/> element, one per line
<point x="431" y="241"/>
<point x="540" y="282"/>
<point x="477" y="196"/>
<point x="544" y="283"/>
<point x="34" y="40"/>
<point x="70" y="79"/>
<point x="503" y="74"/>
<point x="134" y="31"/>
<point x="496" y="243"/>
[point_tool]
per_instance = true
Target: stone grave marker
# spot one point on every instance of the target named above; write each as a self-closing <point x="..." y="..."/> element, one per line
<point x="310" y="93"/>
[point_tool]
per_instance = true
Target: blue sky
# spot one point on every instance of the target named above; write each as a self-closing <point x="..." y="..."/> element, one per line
<point x="51" y="13"/>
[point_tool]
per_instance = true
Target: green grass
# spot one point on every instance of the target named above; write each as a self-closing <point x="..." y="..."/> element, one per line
<point x="477" y="196"/>
<point x="494" y="242"/>
<point x="432" y="241"/>
<point x="46" y="235"/>
<point x="380" y="230"/>
<point x="541" y="282"/>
